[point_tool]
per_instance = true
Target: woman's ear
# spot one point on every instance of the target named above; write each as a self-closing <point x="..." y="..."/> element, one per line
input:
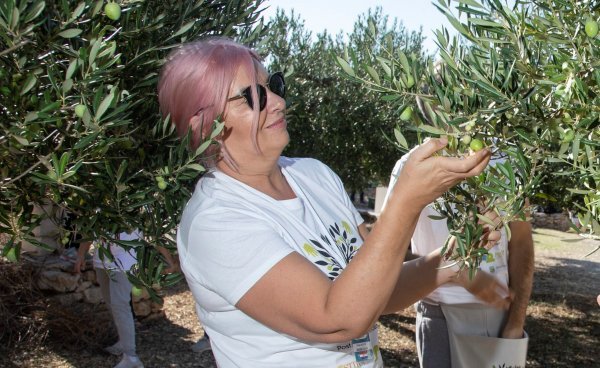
<point x="196" y="129"/>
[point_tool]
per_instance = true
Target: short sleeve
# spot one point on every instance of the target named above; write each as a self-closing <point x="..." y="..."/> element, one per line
<point x="230" y="253"/>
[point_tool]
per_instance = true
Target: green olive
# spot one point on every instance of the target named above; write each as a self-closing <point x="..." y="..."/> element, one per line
<point x="476" y="145"/>
<point x="406" y="114"/>
<point x="465" y="139"/>
<point x="591" y="28"/>
<point x="136" y="291"/>
<point x="80" y="110"/>
<point x="568" y="136"/>
<point x="112" y="11"/>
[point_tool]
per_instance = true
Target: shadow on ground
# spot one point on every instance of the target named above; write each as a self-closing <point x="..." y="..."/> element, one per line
<point x="400" y="352"/>
<point x="563" y="323"/>
<point x="563" y="317"/>
<point x="78" y="341"/>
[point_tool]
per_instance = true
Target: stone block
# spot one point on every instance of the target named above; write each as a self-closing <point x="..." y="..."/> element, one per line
<point x="142" y="308"/>
<point x="92" y="295"/>
<point x="68" y="299"/>
<point x="84" y="285"/>
<point x="57" y="281"/>
<point x="156" y="307"/>
<point x="57" y="263"/>
<point x="154" y="316"/>
<point x="89" y="275"/>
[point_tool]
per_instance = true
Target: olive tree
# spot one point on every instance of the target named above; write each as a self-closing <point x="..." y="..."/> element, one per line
<point x="521" y="78"/>
<point x="80" y="127"/>
<point x="330" y="118"/>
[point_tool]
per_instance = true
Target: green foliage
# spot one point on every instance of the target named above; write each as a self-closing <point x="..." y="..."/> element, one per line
<point x="81" y="130"/>
<point x="524" y="80"/>
<point x="329" y="117"/>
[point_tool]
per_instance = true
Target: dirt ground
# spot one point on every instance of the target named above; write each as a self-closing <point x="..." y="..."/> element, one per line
<point x="563" y="323"/>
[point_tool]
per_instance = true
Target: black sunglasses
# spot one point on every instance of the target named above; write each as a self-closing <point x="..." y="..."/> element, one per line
<point x="276" y="84"/>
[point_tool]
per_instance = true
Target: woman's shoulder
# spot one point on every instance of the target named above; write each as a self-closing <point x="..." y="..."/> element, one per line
<point x="218" y="196"/>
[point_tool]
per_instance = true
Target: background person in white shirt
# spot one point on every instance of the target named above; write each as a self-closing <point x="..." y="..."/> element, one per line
<point x="511" y="262"/>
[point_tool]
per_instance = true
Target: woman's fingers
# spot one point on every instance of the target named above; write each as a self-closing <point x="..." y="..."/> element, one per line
<point x="494" y="217"/>
<point x="491" y="234"/>
<point x="488" y="289"/>
<point x="468" y="166"/>
<point x="490" y="239"/>
<point x="465" y="166"/>
<point x="501" y="297"/>
<point x="450" y="249"/>
<point x="457" y="169"/>
<point x="482" y="158"/>
<point x="496" y="299"/>
<point x="424" y="178"/>
<point x="428" y="148"/>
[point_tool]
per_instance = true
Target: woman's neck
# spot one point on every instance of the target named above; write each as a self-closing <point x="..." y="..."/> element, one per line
<point x="268" y="179"/>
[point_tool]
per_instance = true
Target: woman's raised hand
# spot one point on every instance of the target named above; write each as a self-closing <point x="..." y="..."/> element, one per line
<point x="425" y="177"/>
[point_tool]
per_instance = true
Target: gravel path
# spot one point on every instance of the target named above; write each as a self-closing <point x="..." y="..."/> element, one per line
<point x="558" y="293"/>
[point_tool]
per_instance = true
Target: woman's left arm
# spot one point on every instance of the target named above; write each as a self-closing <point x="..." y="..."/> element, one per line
<point x="423" y="275"/>
<point x="420" y="276"/>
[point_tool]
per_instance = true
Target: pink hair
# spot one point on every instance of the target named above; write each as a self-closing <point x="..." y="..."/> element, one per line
<point x="193" y="89"/>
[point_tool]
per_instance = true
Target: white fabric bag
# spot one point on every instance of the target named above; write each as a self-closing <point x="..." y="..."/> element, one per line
<point x="473" y="344"/>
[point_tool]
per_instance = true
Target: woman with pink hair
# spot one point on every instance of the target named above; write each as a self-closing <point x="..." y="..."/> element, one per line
<point x="280" y="263"/>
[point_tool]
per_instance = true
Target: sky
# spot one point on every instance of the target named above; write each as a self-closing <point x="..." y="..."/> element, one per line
<point x="336" y="15"/>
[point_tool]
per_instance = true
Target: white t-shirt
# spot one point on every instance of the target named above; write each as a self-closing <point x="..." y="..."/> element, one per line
<point x="230" y="235"/>
<point x="431" y="234"/>
<point x="124" y="259"/>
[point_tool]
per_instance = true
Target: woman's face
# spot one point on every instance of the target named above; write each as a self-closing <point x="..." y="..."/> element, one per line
<point x="272" y="135"/>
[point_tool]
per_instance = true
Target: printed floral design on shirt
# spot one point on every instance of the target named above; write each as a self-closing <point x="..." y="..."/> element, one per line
<point x="342" y="238"/>
<point x="489" y="258"/>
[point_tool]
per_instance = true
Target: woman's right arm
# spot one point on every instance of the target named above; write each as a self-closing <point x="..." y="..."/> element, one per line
<point x="296" y="298"/>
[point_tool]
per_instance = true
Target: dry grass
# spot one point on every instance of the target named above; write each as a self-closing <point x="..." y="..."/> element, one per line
<point x="563" y="316"/>
<point x="563" y="322"/>
<point x="20" y="306"/>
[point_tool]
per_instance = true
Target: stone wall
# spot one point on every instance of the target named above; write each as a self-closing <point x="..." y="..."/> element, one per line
<point x="556" y="221"/>
<point x="57" y="279"/>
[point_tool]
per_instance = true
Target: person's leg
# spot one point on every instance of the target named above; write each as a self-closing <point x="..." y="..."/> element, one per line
<point x="433" y="346"/>
<point x="203" y="344"/>
<point x="104" y="282"/>
<point x="120" y="296"/>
